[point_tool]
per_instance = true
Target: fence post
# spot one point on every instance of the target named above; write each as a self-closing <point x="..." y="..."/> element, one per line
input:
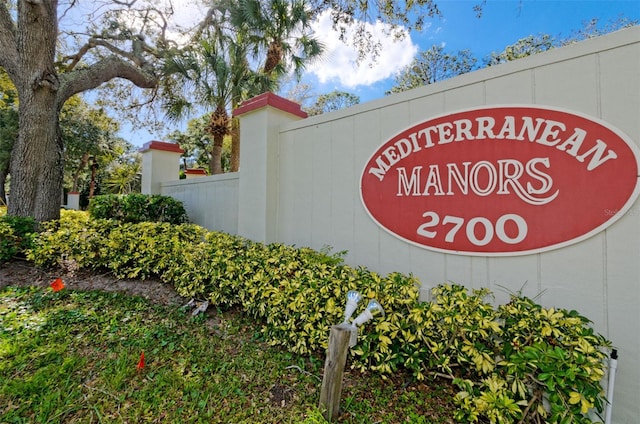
<point x="335" y="361"/>
<point x="160" y="162"/>
<point x="260" y="120"/>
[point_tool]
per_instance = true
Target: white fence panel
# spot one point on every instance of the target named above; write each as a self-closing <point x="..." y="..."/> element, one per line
<point x="211" y="202"/>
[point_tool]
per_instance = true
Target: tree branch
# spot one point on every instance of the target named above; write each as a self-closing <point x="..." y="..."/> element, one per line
<point x="162" y="26"/>
<point x="71" y="5"/>
<point x="8" y="47"/>
<point x="125" y="3"/>
<point x="100" y="72"/>
<point x="78" y="56"/>
<point x="139" y="47"/>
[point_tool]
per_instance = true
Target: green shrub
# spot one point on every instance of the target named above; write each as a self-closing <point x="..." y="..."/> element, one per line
<point x="551" y="355"/>
<point x="15" y="235"/>
<point x="138" y="208"/>
<point x="129" y="250"/>
<point x="145" y="249"/>
<point x="74" y="237"/>
<point x="8" y="242"/>
<point x="517" y="362"/>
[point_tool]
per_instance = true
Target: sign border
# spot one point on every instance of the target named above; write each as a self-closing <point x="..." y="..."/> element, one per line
<point x="635" y="149"/>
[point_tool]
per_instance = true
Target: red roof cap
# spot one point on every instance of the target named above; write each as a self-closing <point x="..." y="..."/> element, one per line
<point x="273" y="100"/>
<point x="161" y="145"/>
<point x="196" y="171"/>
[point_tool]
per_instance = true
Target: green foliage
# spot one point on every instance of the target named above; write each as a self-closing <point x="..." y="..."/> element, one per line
<point x="332" y="101"/>
<point x="595" y="27"/>
<point x="129" y="250"/>
<point x="7" y="242"/>
<point x="74" y="237"/>
<point x="90" y="137"/>
<point x="401" y="16"/>
<point x="137" y="207"/>
<point x="455" y="329"/>
<point x="197" y="144"/>
<point x="548" y="368"/>
<point x="141" y="250"/>
<point x="15" y="235"/>
<point x="124" y="175"/>
<point x="71" y="356"/>
<point x="8" y="127"/>
<point x="534" y="44"/>
<point x="516" y="362"/>
<point x="524" y="47"/>
<point x="431" y="66"/>
<point x="282" y="28"/>
<point x="552" y="356"/>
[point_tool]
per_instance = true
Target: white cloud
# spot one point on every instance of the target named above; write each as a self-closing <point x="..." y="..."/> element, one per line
<point x="340" y="62"/>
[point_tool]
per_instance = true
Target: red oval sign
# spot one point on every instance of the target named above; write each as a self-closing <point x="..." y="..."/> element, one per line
<point x="506" y="180"/>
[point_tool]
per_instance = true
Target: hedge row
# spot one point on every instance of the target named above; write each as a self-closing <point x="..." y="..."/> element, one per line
<point x="138" y="208"/>
<point x="15" y="235"/>
<point x="514" y="362"/>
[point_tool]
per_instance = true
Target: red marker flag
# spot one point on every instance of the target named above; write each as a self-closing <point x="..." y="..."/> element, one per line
<point x="57" y="285"/>
<point x="141" y="361"/>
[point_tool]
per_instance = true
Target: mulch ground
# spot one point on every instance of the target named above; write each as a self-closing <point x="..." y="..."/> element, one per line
<point x="23" y="273"/>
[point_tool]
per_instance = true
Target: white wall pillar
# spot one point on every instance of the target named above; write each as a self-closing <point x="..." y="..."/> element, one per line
<point x="160" y="162"/>
<point x="73" y="200"/>
<point x="260" y="120"/>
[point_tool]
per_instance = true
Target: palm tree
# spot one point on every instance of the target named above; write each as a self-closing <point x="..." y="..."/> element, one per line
<point x="282" y="29"/>
<point x="214" y="73"/>
<point x="124" y="176"/>
<point x="279" y="31"/>
<point x="218" y="72"/>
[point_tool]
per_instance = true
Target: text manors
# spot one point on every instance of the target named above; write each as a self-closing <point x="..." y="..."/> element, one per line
<point x="506" y="180"/>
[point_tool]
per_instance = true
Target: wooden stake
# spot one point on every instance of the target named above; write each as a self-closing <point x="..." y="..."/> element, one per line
<point x="333" y="370"/>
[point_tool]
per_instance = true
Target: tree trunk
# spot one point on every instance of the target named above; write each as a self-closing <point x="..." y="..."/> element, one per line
<point x="3" y="180"/>
<point x="215" y="166"/>
<point x="76" y="175"/>
<point x="36" y="158"/>
<point x="36" y="161"/>
<point x="234" y="166"/>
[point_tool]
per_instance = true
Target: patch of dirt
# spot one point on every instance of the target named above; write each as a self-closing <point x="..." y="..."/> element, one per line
<point x="280" y="395"/>
<point x="22" y="273"/>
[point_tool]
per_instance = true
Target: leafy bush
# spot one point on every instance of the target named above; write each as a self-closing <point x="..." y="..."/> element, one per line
<point x="15" y="235"/>
<point x="138" y="208"/>
<point x="74" y="237"/>
<point x="8" y="242"/>
<point x="129" y="250"/>
<point x="516" y="362"/>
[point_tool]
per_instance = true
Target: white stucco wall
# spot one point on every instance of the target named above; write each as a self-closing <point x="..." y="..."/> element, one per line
<point x="318" y="203"/>
<point x="211" y="201"/>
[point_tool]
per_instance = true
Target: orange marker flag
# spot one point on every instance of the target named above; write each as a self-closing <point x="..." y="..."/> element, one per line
<point x="141" y="361"/>
<point x="57" y="285"/>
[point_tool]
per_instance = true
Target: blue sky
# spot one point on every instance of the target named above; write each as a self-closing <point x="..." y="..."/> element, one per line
<point x="502" y="23"/>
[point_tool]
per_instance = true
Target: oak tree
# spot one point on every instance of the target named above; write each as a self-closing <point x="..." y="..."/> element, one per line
<point x="45" y="78"/>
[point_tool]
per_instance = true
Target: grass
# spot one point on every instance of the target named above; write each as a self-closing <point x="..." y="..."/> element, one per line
<point x="72" y="357"/>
